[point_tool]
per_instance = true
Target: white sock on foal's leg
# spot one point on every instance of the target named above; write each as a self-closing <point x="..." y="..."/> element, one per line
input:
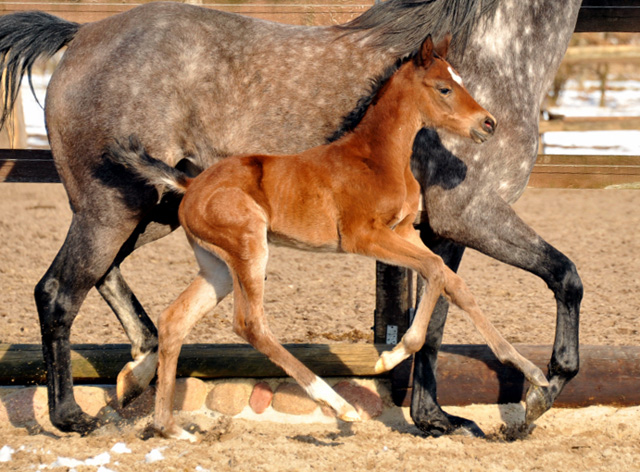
<point x="321" y="392"/>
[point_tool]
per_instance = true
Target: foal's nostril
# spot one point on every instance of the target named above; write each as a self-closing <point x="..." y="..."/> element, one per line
<point x="489" y="125"/>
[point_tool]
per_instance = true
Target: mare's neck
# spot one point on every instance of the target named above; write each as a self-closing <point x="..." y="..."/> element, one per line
<point x="391" y="122"/>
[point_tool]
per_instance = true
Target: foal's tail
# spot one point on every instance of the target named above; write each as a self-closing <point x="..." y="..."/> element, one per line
<point x="24" y="37"/>
<point x="132" y="155"/>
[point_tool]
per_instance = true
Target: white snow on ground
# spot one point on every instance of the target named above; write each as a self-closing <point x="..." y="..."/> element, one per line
<point x="622" y="99"/>
<point x="120" y="448"/>
<point x="97" y="463"/>
<point x="5" y="453"/>
<point x="154" y="455"/>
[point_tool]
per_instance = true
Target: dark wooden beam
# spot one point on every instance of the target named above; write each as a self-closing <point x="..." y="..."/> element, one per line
<point x="609" y="375"/>
<point x="466" y="373"/>
<point x="595" y="15"/>
<point x="609" y="16"/>
<point x="27" y="165"/>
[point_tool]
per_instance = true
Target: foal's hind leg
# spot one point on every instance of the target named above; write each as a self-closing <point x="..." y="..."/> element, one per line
<point x="250" y="324"/>
<point x="203" y="294"/>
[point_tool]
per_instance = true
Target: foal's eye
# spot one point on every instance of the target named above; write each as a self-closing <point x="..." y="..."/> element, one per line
<point x="444" y="91"/>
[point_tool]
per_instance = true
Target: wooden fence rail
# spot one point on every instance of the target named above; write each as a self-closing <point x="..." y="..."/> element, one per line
<point x="466" y="373"/>
<point x="595" y="15"/>
<point x="551" y="171"/>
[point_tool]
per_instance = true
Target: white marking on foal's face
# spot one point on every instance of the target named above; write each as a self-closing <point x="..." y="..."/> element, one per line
<point x="455" y="76"/>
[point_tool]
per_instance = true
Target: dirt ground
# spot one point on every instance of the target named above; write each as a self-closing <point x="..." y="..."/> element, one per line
<point x="326" y="298"/>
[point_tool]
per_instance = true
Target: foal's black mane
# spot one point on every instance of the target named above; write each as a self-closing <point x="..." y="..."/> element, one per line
<point x="402" y="25"/>
<point x="355" y="116"/>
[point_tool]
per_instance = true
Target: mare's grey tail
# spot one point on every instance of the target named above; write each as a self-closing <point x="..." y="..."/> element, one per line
<point x="132" y="155"/>
<point x="24" y="37"/>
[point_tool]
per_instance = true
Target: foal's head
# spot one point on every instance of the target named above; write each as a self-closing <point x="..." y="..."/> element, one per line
<point x="443" y="100"/>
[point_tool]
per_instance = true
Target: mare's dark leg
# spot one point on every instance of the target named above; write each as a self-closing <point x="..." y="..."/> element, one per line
<point x="87" y="253"/>
<point x="105" y="228"/>
<point x="425" y="410"/>
<point x="138" y="327"/>
<point x="136" y="323"/>
<point x="489" y="225"/>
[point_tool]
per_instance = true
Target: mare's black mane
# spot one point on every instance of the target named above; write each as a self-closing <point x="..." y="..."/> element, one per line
<point x="402" y="25"/>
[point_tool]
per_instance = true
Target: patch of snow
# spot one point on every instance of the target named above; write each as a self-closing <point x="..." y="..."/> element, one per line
<point x="100" y="459"/>
<point x="70" y="463"/>
<point x="622" y="98"/>
<point x="120" y="448"/>
<point x="154" y="455"/>
<point x="67" y="462"/>
<point x="616" y="143"/>
<point x="5" y="453"/>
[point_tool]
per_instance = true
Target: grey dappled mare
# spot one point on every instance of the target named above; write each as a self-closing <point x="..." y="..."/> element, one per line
<point x="196" y="85"/>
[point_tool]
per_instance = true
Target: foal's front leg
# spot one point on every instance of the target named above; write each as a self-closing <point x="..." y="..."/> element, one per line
<point x="495" y="230"/>
<point x="405" y="248"/>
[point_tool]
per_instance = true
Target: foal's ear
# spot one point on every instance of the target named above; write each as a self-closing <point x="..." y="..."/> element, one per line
<point x="425" y="56"/>
<point x="442" y="48"/>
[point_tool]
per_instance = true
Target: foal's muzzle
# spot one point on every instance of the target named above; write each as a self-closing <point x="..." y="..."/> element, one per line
<point x="485" y="131"/>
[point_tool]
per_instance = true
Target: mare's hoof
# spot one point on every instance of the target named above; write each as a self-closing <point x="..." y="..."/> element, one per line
<point x="76" y="422"/>
<point x="538" y="402"/>
<point x="538" y="378"/>
<point x="464" y="427"/>
<point x="127" y="390"/>
<point x="451" y="425"/>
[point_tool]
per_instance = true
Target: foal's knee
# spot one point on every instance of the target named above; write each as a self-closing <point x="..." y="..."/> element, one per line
<point x="413" y="341"/>
<point x="433" y="271"/>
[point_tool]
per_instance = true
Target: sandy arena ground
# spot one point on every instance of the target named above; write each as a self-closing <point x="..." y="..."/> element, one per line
<point x="326" y="298"/>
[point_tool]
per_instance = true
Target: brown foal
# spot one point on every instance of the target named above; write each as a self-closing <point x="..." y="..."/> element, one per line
<point x="355" y="195"/>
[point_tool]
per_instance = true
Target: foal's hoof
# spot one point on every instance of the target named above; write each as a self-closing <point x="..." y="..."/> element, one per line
<point x="535" y="376"/>
<point x="389" y="359"/>
<point x="176" y="432"/>
<point x="538" y="402"/>
<point x="349" y="415"/>
<point x="135" y="377"/>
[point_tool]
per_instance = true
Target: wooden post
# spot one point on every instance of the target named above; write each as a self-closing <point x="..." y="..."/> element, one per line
<point x="393" y="303"/>
<point x="14" y="135"/>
